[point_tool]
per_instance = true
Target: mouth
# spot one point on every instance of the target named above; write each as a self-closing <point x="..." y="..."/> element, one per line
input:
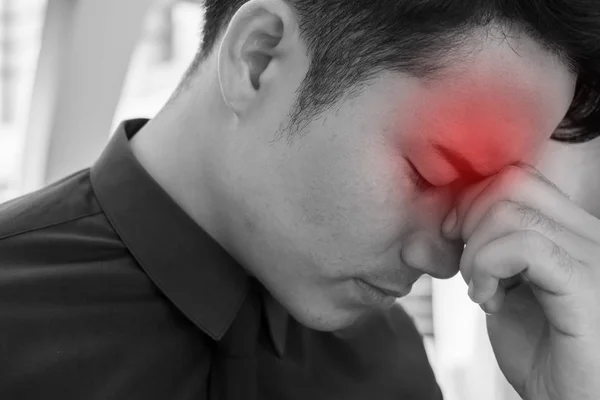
<point x="385" y="291"/>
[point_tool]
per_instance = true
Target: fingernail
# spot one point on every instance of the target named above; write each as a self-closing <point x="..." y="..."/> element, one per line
<point x="450" y="222"/>
<point x="471" y="290"/>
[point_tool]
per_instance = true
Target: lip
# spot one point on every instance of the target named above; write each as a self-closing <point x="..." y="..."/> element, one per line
<point x="385" y="291"/>
<point x="371" y="296"/>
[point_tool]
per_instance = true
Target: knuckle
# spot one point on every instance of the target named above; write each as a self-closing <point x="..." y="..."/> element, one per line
<point x="562" y="258"/>
<point x="504" y="183"/>
<point x="503" y="213"/>
<point x="563" y="267"/>
<point x="510" y="175"/>
<point x="533" y="240"/>
<point x="537" y="174"/>
<point x="530" y="217"/>
<point x="561" y="263"/>
<point x="524" y="216"/>
<point x="510" y="180"/>
<point x="535" y="217"/>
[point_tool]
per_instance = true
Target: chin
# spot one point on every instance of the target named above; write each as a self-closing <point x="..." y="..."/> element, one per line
<point x="327" y="321"/>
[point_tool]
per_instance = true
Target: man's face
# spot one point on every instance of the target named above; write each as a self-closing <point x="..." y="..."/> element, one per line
<point x="340" y="209"/>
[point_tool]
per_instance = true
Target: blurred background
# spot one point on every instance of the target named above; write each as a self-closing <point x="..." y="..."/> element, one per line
<point x="72" y="70"/>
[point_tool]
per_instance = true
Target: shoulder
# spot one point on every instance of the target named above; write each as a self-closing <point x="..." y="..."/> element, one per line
<point x="59" y="223"/>
<point x="72" y="297"/>
<point x="68" y="199"/>
<point x="56" y="242"/>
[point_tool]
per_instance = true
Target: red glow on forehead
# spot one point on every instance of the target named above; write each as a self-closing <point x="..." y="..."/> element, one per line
<point x="470" y="132"/>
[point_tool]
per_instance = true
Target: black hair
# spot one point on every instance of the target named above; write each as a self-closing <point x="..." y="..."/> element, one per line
<point x="349" y="41"/>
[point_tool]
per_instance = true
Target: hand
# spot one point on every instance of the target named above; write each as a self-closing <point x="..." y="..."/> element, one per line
<point x="518" y="227"/>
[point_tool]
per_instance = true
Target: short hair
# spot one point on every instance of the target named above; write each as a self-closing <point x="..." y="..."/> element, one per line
<point x="349" y="41"/>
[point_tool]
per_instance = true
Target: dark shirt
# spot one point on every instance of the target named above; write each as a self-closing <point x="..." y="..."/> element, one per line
<point x="108" y="290"/>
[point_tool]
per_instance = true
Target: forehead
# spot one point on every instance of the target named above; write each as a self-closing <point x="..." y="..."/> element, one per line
<point x="505" y="98"/>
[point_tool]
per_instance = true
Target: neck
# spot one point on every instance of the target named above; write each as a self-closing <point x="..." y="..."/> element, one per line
<point x="179" y="148"/>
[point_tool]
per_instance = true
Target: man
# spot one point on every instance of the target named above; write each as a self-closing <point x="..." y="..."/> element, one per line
<point x="249" y="242"/>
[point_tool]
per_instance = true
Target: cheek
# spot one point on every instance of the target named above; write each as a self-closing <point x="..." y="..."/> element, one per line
<point x="355" y="202"/>
<point x="378" y="195"/>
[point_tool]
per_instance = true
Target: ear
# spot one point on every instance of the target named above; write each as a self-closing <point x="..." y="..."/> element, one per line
<point x="260" y="32"/>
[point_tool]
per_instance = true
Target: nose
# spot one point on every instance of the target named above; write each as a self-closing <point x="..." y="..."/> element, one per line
<point x="425" y="248"/>
<point x="431" y="254"/>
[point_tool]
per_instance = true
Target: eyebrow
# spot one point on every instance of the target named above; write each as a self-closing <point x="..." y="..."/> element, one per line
<point x="460" y="163"/>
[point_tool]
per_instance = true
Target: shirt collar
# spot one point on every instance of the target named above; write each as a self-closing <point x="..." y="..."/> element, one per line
<point x="278" y="320"/>
<point x="192" y="270"/>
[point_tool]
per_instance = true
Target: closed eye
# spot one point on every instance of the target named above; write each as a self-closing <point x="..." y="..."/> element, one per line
<point x="420" y="183"/>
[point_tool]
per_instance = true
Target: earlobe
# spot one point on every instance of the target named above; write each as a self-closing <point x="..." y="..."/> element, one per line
<point x="254" y="38"/>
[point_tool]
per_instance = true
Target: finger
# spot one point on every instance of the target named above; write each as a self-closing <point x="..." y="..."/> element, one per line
<point x="513" y="184"/>
<point x="561" y="284"/>
<point x="536" y="172"/>
<point x="491" y="291"/>
<point x="482" y="288"/>
<point x="452" y="226"/>
<point x="541" y="261"/>
<point x="496" y="301"/>
<point x="506" y="217"/>
<point x="520" y="186"/>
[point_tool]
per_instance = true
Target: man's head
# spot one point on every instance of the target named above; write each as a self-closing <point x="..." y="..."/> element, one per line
<point x="330" y="130"/>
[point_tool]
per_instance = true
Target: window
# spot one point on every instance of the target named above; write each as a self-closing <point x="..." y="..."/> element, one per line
<point x="167" y="46"/>
<point x="21" y="23"/>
